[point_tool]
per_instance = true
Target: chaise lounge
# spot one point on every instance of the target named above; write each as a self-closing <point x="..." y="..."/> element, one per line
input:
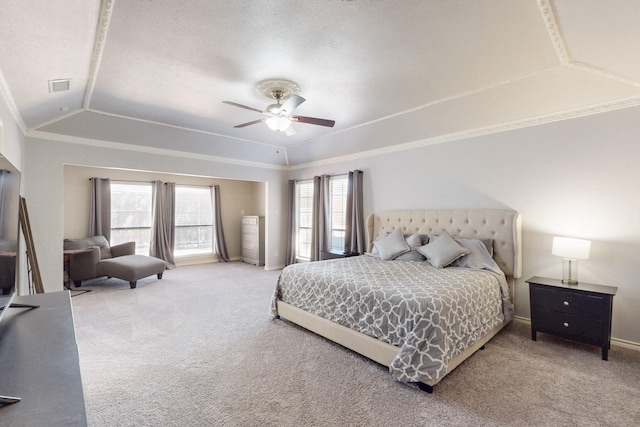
<point x="92" y="257"/>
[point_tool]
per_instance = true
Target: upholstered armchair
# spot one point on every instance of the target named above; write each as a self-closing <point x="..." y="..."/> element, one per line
<point x="85" y="255"/>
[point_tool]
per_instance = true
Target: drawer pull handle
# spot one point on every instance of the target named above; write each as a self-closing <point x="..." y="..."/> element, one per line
<point x="566" y="325"/>
<point x="566" y="303"/>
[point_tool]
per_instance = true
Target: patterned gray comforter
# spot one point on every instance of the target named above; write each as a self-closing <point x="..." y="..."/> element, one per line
<point x="430" y="314"/>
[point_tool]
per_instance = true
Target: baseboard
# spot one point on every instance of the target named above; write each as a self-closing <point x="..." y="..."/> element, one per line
<point x="614" y="341"/>
<point x="197" y="260"/>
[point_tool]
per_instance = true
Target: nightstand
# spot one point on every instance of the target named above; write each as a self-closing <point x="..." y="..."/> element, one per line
<point x="579" y="312"/>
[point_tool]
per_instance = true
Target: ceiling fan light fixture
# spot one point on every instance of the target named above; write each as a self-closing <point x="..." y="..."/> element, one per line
<point x="278" y="124"/>
<point x="277" y="88"/>
<point x="274" y="109"/>
<point x="279" y="115"/>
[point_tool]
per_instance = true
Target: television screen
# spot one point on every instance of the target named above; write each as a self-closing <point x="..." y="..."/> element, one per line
<point x="9" y="225"/>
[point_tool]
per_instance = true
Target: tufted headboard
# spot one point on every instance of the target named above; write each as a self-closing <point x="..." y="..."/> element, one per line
<point x="504" y="227"/>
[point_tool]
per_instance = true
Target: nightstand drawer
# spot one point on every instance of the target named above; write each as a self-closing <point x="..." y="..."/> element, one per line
<point x="567" y="301"/>
<point x="569" y="325"/>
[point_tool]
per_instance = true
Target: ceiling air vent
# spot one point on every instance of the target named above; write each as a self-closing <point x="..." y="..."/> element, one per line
<point x="60" y="85"/>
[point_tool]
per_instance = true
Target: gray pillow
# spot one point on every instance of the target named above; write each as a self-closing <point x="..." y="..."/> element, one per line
<point x="487" y="242"/>
<point x="87" y="242"/>
<point x="391" y="245"/>
<point x="414" y="241"/>
<point x="442" y="251"/>
<point x="478" y="256"/>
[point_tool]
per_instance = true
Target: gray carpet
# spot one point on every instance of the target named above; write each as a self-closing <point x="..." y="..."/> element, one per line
<point x="197" y="348"/>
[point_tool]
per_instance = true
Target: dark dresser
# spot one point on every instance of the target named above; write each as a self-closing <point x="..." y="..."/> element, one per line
<point x="40" y="364"/>
<point x="579" y="312"/>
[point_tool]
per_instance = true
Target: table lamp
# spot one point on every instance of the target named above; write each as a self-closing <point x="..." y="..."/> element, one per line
<point x="571" y="250"/>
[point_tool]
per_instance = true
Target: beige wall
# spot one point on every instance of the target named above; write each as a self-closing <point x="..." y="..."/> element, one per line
<point x="236" y="197"/>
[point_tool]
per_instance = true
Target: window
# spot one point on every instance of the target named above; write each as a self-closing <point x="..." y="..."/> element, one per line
<point x="337" y="212"/>
<point x="336" y="222"/>
<point x="304" y="218"/>
<point x="194" y="221"/>
<point x="131" y="214"/>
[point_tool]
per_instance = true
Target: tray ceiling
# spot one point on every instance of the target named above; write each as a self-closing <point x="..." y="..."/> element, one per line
<point x="392" y="74"/>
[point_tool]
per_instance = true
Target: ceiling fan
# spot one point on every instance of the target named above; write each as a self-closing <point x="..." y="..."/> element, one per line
<point x="280" y="116"/>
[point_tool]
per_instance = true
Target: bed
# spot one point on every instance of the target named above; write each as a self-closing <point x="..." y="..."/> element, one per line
<point x="420" y="317"/>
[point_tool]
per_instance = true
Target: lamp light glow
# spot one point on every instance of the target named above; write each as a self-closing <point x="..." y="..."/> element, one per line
<point x="571" y="250"/>
<point x="278" y="124"/>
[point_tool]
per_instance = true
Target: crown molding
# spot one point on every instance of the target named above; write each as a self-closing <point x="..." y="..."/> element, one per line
<point x="554" y="33"/>
<point x="106" y="11"/>
<point x="456" y="136"/>
<point x="487" y="130"/>
<point x="13" y="108"/>
<point x="433" y="103"/>
<point x="151" y="122"/>
<point x="145" y="149"/>
<point x="57" y="119"/>
<point x="603" y="73"/>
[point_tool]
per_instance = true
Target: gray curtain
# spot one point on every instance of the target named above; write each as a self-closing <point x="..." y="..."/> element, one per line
<point x="100" y="208"/>
<point x="291" y="223"/>
<point x="163" y="231"/>
<point x="354" y="239"/>
<point x="320" y="206"/>
<point x="220" y="246"/>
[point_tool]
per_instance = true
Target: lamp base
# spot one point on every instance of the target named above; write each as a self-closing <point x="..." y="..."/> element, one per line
<point x="570" y="271"/>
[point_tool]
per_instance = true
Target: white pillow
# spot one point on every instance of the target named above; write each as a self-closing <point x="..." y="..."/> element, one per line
<point x="442" y="251"/>
<point x="391" y="245"/>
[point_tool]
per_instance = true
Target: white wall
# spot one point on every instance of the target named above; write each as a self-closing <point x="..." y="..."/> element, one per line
<point x="235" y="197"/>
<point x="44" y="189"/>
<point x="577" y="178"/>
<point x="11" y="136"/>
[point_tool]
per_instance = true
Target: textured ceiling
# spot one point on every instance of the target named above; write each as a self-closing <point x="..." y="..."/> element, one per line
<point x="392" y="74"/>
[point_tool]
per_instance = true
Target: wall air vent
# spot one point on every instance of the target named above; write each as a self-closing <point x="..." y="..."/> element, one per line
<point x="59" y="85"/>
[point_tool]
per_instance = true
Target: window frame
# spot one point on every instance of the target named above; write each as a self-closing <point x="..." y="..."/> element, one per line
<point x="142" y="248"/>
<point x="210" y="249"/>
<point x="333" y="227"/>
<point x="308" y="229"/>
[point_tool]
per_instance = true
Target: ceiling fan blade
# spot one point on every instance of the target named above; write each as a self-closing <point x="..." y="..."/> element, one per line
<point x="291" y="104"/>
<point x="314" y="121"/>
<point x="235" y="104"/>
<point x="248" y="123"/>
<point x="290" y="131"/>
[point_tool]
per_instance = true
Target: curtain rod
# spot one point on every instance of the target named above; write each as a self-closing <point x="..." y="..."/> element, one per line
<point x="151" y="182"/>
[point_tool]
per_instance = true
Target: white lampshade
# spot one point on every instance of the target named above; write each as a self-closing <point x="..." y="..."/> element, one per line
<point x="570" y="248"/>
<point x="278" y="124"/>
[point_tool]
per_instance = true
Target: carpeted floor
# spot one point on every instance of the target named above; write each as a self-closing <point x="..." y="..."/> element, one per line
<point x="198" y="348"/>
